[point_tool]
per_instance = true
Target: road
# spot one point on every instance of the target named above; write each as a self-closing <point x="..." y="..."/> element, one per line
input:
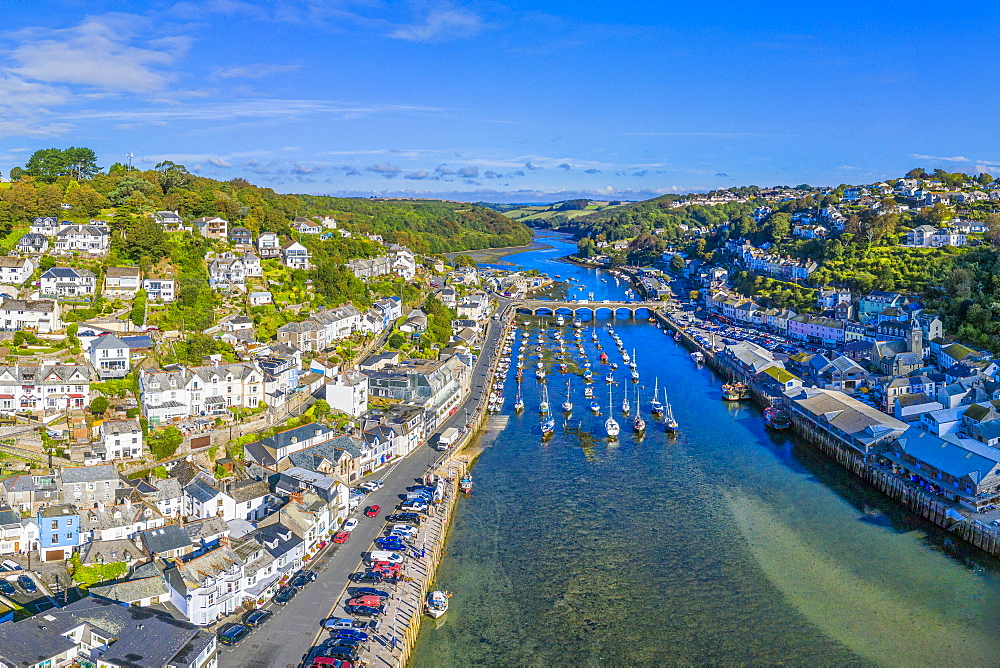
<point x="286" y="639"/>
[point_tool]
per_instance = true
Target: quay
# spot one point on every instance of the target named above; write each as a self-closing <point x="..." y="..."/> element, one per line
<point x="945" y="514"/>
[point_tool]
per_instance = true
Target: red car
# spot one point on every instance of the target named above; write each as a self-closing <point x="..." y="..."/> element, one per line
<point x="342" y="537"/>
<point x="367" y="601"/>
<point x="372" y="511"/>
<point x="385" y="568"/>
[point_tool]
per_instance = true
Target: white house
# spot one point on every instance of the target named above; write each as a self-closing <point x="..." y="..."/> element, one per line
<point x="47" y="226"/>
<point x="42" y="315"/>
<point x="227" y="271"/>
<point x="32" y="244"/>
<point x="269" y="245"/>
<point x="348" y="392"/>
<point x="206" y="587"/>
<point x="159" y="289"/>
<point x="84" y="238"/>
<point x="306" y="226"/>
<point x="295" y="255"/>
<point x="213" y="227"/>
<point x="251" y="265"/>
<point x="15" y="270"/>
<point x="259" y="298"/>
<point x="67" y="282"/>
<point x="121" y="282"/>
<point x="245" y="500"/>
<point x="109" y="356"/>
<point x="122" y="439"/>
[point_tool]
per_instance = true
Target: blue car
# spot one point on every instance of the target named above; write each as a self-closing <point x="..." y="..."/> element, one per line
<point x="391" y="546"/>
<point x="351" y="634"/>
<point x="6" y="588"/>
<point x="27" y="584"/>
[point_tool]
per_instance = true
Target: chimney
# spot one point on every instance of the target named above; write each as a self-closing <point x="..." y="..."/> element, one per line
<point x="224" y="541"/>
<point x="295" y="497"/>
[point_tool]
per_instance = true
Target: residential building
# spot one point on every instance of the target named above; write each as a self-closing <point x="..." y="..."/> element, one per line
<point x="252" y="267"/>
<point x="295" y="255"/>
<point x="88" y="486"/>
<point x="32" y="244"/>
<point x="960" y="468"/>
<point x="110" y="356"/>
<point x="83" y="238"/>
<point x="52" y="387"/>
<point x="322" y="329"/>
<point x="269" y="451"/>
<point x="58" y="532"/>
<point x="475" y="306"/>
<point x="170" y="220"/>
<point x="212" y="227"/>
<point x="348" y="392"/>
<point x="27" y="493"/>
<point x="47" y="226"/>
<point x="240" y="235"/>
<point x="123" y="282"/>
<point x="90" y="632"/>
<point x="159" y="289"/>
<point x="438" y="385"/>
<point x="16" y="270"/>
<point x="259" y="299"/>
<point x="67" y="282"/>
<point x="306" y="226"/>
<point x="121" y="439"/>
<point x="206" y="587"/>
<point x="243" y="500"/>
<point x="269" y="245"/>
<point x="816" y="328"/>
<point x="225" y="271"/>
<point x="202" y="390"/>
<point x="117" y="521"/>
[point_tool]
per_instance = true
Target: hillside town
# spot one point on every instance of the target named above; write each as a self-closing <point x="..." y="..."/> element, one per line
<point x="200" y="489"/>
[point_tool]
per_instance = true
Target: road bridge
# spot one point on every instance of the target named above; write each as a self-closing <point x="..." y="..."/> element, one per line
<point x="545" y="307"/>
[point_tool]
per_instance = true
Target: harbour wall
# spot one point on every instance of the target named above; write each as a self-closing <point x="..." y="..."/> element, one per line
<point x="947" y="515"/>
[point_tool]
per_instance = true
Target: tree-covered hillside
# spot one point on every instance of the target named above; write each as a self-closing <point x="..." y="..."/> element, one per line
<point x="426" y="226"/>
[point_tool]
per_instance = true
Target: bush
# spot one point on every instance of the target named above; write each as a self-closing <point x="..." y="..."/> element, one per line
<point x="163" y="443"/>
<point x="96" y="573"/>
<point x="99" y="405"/>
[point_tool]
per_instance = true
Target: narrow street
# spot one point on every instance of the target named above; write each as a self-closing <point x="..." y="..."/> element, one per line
<point x="286" y="639"/>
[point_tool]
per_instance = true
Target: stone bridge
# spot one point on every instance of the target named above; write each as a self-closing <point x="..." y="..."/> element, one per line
<point x="545" y="307"/>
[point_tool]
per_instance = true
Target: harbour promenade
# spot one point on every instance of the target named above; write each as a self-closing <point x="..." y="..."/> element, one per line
<point x="948" y="515"/>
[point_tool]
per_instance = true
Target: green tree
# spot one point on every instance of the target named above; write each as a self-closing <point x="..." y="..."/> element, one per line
<point x="163" y="443"/>
<point x="464" y="260"/>
<point x="138" y="313"/>
<point x="396" y="340"/>
<point x="677" y="263"/>
<point x="99" y="405"/>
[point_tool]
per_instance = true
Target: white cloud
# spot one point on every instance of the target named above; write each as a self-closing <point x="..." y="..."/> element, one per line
<point x="254" y="71"/>
<point x="95" y="53"/>
<point x="441" y="25"/>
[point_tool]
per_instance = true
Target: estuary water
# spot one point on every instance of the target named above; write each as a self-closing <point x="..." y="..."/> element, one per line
<point x="728" y="543"/>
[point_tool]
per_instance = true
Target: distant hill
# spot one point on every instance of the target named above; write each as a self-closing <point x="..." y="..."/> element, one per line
<point x="553" y="216"/>
<point x="427" y="226"/>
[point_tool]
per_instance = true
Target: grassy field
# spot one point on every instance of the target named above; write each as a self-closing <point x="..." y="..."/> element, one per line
<point x="526" y="214"/>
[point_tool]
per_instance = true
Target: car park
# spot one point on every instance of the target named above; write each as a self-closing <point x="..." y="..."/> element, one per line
<point x="232" y="634"/>
<point x="6" y="588"/>
<point x="27" y="584"/>
<point x="372" y="511"/>
<point x="284" y="595"/>
<point x="341" y="536"/>
<point x="257" y="618"/>
<point x="350" y="525"/>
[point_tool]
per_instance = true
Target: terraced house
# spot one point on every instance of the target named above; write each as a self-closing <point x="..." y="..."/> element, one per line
<point x="46" y="388"/>
<point x="90" y="239"/>
<point x="202" y="390"/>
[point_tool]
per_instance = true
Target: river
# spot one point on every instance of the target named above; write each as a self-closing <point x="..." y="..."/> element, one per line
<point x="729" y="543"/>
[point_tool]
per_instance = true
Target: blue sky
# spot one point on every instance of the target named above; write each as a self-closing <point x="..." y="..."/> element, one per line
<point x="511" y="101"/>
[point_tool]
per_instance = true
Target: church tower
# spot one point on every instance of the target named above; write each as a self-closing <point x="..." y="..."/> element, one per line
<point x="915" y="342"/>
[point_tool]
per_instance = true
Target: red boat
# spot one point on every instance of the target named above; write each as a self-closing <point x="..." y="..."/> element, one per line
<point x="775" y="419"/>
<point x="465" y="485"/>
<point x="604" y="358"/>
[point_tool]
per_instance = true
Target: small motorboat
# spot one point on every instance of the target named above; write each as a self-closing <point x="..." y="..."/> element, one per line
<point x="698" y="357"/>
<point x="548" y="427"/>
<point x="436" y="603"/>
<point x="595" y="407"/>
<point x="776" y="419"/>
<point x="588" y="392"/>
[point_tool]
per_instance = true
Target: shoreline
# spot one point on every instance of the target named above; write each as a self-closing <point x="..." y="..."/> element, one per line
<point x="498" y="255"/>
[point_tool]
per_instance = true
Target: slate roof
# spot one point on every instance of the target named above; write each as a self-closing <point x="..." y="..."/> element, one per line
<point x="121" y="272"/>
<point x="914" y="399"/>
<point x="88" y="473"/>
<point x="120" y="427"/>
<point x="138" y="342"/>
<point x="22" y="644"/>
<point x="958" y="457"/>
<point x="857" y="420"/>
<point x="200" y="490"/>
<point x="67" y="272"/>
<point x="200" y="530"/>
<point x="165" y="539"/>
<point x="249" y="489"/>
<point x="131" y="590"/>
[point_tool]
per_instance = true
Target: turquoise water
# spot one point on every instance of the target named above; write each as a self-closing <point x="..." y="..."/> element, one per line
<point x="726" y="544"/>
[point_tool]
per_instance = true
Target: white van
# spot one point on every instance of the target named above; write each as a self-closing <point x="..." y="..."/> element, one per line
<point x="384" y="555"/>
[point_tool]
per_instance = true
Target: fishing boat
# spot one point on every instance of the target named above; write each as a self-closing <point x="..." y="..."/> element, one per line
<point x="465" y="484"/>
<point x="730" y="392"/>
<point x="610" y="425"/>
<point x="543" y="407"/>
<point x="436" y="603"/>
<point x="567" y="405"/>
<point x="670" y="424"/>
<point x="588" y="392"/>
<point x="638" y="424"/>
<point x="744" y="391"/>
<point x="655" y="407"/>
<point x="548" y="427"/>
<point x="677" y="336"/>
<point x="518" y="401"/>
<point x="776" y="419"/>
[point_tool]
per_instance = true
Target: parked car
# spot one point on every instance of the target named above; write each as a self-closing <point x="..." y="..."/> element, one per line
<point x="6" y="588"/>
<point x="364" y="601"/>
<point x="411" y="518"/>
<point x="350" y="525"/>
<point x="372" y="511"/>
<point x="404" y="529"/>
<point x="284" y="595"/>
<point x="232" y="634"/>
<point x="393" y="545"/>
<point x="349" y="653"/>
<point x="341" y="536"/>
<point x="27" y="584"/>
<point x="342" y="623"/>
<point x="368" y="576"/>
<point x="351" y="633"/>
<point x="371" y="485"/>
<point x="299" y="580"/>
<point x="370" y="591"/>
<point x="367" y="610"/>
<point x="257" y="618"/>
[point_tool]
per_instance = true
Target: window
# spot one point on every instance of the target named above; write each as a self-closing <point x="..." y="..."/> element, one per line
<point x="55" y="524"/>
